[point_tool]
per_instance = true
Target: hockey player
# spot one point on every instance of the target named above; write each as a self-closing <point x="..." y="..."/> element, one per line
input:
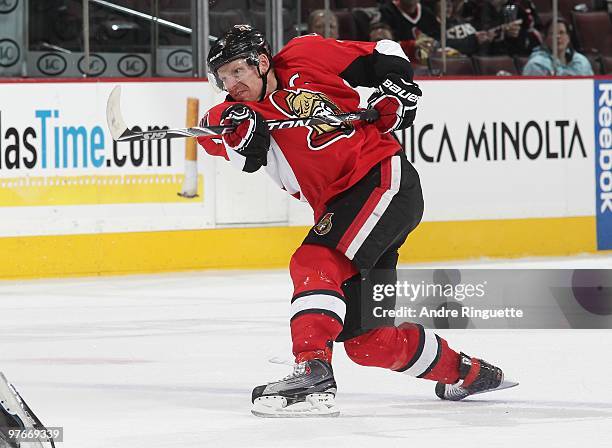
<point x="366" y="199"/>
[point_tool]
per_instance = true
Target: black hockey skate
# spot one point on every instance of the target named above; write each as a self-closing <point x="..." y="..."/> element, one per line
<point x="476" y="377"/>
<point x="308" y="392"/>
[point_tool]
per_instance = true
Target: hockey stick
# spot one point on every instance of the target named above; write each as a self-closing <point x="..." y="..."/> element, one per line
<point x="121" y="133"/>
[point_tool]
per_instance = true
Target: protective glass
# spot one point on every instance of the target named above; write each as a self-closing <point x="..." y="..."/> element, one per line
<point x="230" y="74"/>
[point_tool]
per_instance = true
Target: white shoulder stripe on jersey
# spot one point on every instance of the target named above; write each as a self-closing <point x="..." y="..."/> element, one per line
<point x="430" y="351"/>
<point x="319" y="302"/>
<point x="385" y="200"/>
<point x="390" y="48"/>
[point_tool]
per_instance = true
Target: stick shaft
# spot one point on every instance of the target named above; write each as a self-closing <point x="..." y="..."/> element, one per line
<point x="121" y="133"/>
<point x="273" y="125"/>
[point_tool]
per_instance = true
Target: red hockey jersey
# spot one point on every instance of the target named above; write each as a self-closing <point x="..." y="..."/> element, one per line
<point x="316" y="163"/>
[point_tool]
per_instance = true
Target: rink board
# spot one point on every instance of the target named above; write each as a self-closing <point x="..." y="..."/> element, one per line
<point x="272" y="247"/>
<point x="524" y="173"/>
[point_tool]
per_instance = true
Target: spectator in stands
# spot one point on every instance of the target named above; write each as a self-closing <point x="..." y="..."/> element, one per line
<point x="460" y="34"/>
<point x="511" y="25"/>
<point x="567" y="63"/>
<point x="412" y="25"/>
<point x="318" y="20"/>
<point x="380" y="31"/>
<point x="408" y="18"/>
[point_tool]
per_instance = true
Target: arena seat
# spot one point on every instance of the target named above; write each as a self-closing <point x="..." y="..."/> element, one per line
<point x="594" y="32"/>
<point x="567" y="6"/>
<point x="492" y="65"/>
<point x="596" y="64"/>
<point x="455" y="66"/>
<point x="545" y="17"/>
<point x="520" y="62"/>
<point x="350" y="4"/>
<point x="543" y="6"/>
<point x="607" y="65"/>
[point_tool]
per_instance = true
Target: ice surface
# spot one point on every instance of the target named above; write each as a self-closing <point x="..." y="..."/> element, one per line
<point x="170" y="360"/>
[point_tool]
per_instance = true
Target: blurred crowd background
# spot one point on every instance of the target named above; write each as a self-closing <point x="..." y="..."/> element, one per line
<point x="469" y="38"/>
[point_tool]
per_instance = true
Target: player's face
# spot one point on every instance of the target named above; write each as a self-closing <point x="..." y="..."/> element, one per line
<point x="241" y="80"/>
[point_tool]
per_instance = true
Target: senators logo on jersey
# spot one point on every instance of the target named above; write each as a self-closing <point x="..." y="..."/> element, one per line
<point x="302" y="103"/>
<point x="324" y="225"/>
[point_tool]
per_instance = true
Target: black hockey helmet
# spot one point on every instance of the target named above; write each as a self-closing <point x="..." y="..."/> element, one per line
<point x="240" y="42"/>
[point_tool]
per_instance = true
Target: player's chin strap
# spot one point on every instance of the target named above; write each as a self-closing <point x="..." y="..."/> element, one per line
<point x="264" y="79"/>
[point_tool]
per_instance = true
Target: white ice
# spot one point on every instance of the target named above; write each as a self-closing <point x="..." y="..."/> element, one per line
<point x="169" y="360"/>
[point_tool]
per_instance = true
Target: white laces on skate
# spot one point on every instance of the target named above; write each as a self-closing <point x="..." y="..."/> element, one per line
<point x="298" y="370"/>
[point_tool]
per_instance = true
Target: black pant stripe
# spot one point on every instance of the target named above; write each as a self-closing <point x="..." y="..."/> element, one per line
<point x="319" y="311"/>
<point x="312" y="292"/>
<point x="419" y="350"/>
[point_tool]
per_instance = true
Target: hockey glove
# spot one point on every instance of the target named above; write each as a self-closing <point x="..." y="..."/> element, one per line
<point x="250" y="139"/>
<point x="396" y="102"/>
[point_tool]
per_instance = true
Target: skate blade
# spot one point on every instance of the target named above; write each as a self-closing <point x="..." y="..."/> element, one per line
<point x="505" y="384"/>
<point x="315" y="405"/>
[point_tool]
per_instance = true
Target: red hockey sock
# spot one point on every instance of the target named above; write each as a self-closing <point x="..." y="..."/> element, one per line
<point x="446" y="369"/>
<point x="313" y="336"/>
<point x="318" y="306"/>
<point x="409" y="348"/>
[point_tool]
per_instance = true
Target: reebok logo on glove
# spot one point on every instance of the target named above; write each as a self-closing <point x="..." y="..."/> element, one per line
<point x="399" y="91"/>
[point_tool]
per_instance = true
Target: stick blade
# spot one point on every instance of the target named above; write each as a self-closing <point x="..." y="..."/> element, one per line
<point x="114" y="119"/>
